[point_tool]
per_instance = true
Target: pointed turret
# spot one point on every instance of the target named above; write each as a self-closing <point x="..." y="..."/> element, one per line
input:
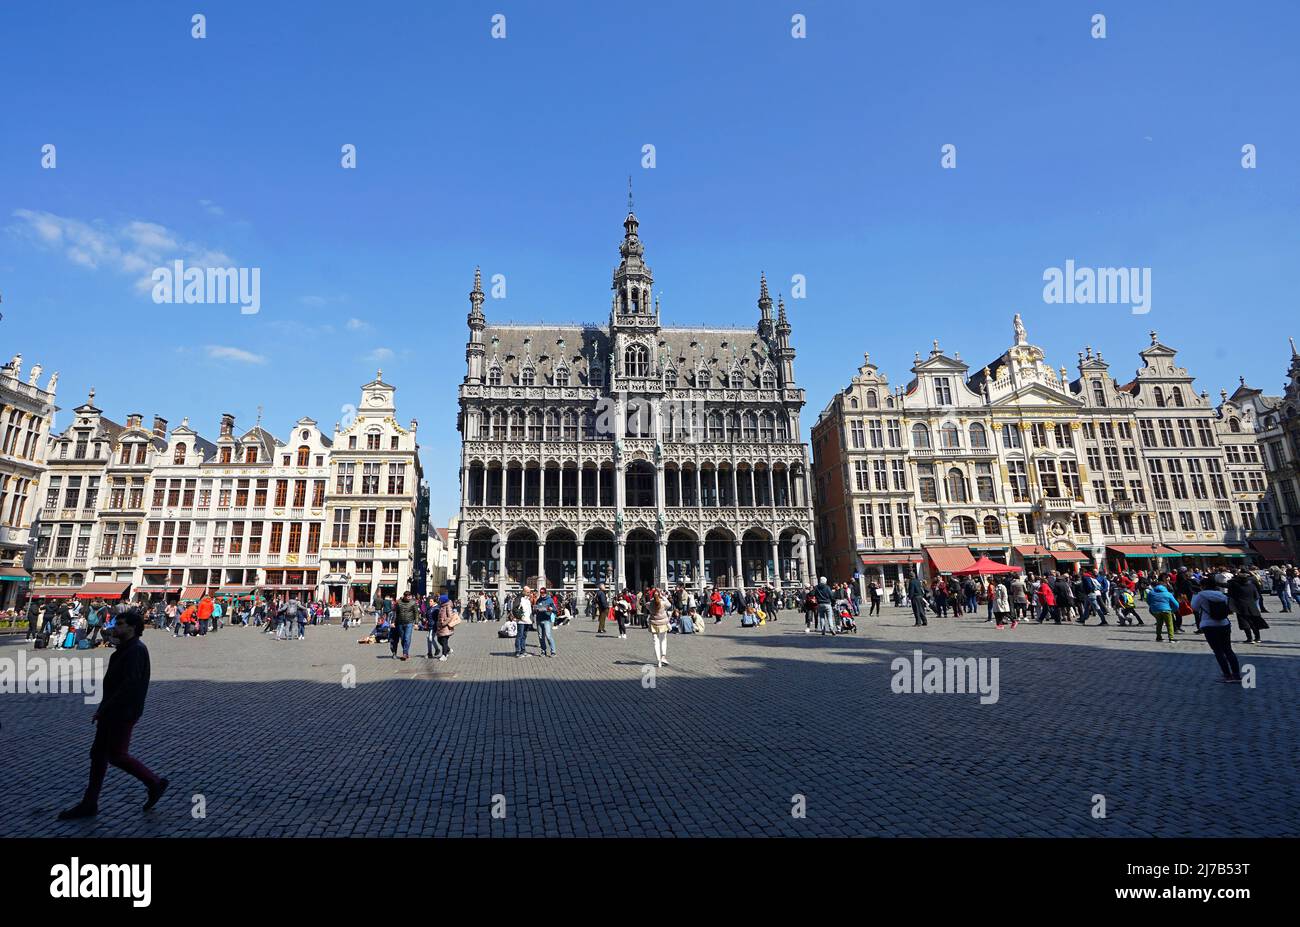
<point x="765" y="330"/>
<point x="784" y="352"/>
<point x="474" y="349"/>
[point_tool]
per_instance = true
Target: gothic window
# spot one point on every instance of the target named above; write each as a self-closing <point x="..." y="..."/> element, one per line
<point x="597" y="375"/>
<point x="570" y="425"/>
<point x="526" y="377"/>
<point x="562" y="376"/>
<point x="715" y="427"/>
<point x="733" y="426"/>
<point x="751" y="427"/>
<point x="782" y="427"/>
<point x="920" y="436"/>
<point x="769" y="380"/>
<point x="494" y="376"/>
<point x="534" y="425"/>
<point x="736" y="380"/>
<point x="702" y="378"/>
<point x="636" y="361"/>
<point x="670" y="376"/>
<point x="516" y="425"/>
<point x="767" y="428"/>
<point x="552" y="425"/>
<point x="498" y="425"/>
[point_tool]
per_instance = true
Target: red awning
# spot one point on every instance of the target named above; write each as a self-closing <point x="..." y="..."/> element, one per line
<point x="1142" y="550"/>
<point x="1032" y="550"/>
<point x="869" y="559"/>
<point x="986" y="567"/>
<point x="1069" y="556"/>
<point x="949" y="559"/>
<point x="50" y="592"/>
<point x="1274" y="550"/>
<point x="102" y="591"/>
<point x="194" y="592"/>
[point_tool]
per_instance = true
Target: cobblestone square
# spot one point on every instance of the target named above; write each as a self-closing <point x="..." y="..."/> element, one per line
<point x="264" y="736"/>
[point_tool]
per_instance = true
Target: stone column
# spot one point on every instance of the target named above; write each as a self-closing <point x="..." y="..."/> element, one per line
<point x="739" y="573"/>
<point x="699" y="488"/>
<point x="776" y="564"/>
<point x="462" y="572"/>
<point x="541" y="563"/>
<point x="662" y="579"/>
<point x="812" y="562"/>
<point x="620" y="577"/>
<point x="579" y="593"/>
<point x="699" y="578"/>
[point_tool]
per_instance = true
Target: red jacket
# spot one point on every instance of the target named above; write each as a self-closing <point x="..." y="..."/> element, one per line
<point x="1045" y="594"/>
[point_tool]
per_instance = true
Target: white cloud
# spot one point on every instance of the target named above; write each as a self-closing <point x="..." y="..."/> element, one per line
<point x="211" y="208"/>
<point x="314" y="301"/>
<point x="239" y="355"/>
<point x="378" y="355"/>
<point x="357" y="325"/>
<point x="134" y="248"/>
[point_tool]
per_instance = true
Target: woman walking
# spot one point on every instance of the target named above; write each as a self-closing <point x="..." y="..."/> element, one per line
<point x="658" y="622"/>
<point x="1001" y="605"/>
<point x="1244" y="596"/>
<point x="445" y="625"/>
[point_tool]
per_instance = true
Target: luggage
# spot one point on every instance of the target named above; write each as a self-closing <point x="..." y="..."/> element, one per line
<point x="83" y="644"/>
<point x="41" y="642"/>
<point x="69" y="641"/>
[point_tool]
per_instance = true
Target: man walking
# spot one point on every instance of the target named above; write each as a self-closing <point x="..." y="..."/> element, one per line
<point x="602" y="608"/>
<point x="916" y="596"/>
<point x="125" y="686"/>
<point x="405" y="615"/>
<point x="545" y="613"/>
<point x="825" y="599"/>
<point x="522" y="612"/>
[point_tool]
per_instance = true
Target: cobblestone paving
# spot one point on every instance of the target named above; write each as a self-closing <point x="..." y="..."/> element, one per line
<point x="739" y="724"/>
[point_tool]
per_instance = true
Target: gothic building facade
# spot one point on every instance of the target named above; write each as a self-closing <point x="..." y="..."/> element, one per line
<point x="631" y="453"/>
<point x="1019" y="462"/>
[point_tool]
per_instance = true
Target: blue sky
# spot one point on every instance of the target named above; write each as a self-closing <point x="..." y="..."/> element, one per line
<point x="817" y="157"/>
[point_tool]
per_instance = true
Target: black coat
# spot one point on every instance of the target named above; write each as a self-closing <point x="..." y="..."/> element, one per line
<point x="1243" y="594"/>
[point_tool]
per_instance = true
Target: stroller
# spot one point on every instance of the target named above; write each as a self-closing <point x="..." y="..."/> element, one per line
<point x="845" y="613"/>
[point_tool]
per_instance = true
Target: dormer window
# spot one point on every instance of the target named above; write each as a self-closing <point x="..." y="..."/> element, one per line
<point x="562" y="377"/>
<point x="304" y="454"/>
<point x="224" y="456"/>
<point x="942" y="391"/>
<point x="597" y="376"/>
<point x="735" y="380"/>
<point x="179" y="456"/>
<point x="769" y="382"/>
<point x="250" y="454"/>
<point x="670" y="376"/>
<point x="494" y="376"/>
<point x="526" y="377"/>
<point x="702" y="378"/>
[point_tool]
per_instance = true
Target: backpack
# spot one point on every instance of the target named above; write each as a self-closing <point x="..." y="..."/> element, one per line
<point x="518" y="609"/>
<point x="1218" y="610"/>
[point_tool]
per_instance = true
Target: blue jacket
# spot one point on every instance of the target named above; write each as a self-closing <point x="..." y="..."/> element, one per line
<point x="1160" y="599"/>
